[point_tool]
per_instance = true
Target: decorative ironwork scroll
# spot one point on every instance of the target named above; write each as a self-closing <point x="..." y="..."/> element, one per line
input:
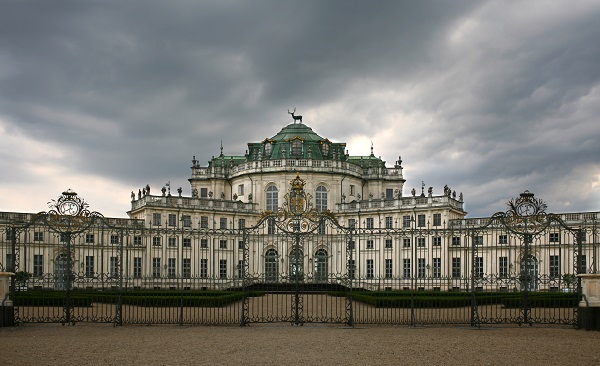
<point x="69" y="213"/>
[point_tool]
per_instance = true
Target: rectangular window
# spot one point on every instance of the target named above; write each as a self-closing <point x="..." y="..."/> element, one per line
<point x="479" y="267"/>
<point x="89" y="238"/>
<point x="240" y="190"/>
<point x="271" y="226"/>
<point x="38" y="236"/>
<point x="114" y="266"/>
<point x="406" y="221"/>
<point x="63" y="237"/>
<point x="203" y="268"/>
<point x="222" y="268"/>
<point x="502" y="239"/>
<point x="156" y="219"/>
<point x="406" y="268"/>
<point x="389" y="194"/>
<point x="352" y="190"/>
<point x="155" y="267"/>
<point x="437" y="267"/>
<point x="554" y="266"/>
<point x="455" y="267"/>
<point x="9" y="234"/>
<point x="171" y="269"/>
<point x="369" y="222"/>
<point x="240" y="269"/>
<point x="554" y="238"/>
<point x="187" y="220"/>
<point x="389" y="223"/>
<point x="351" y="245"/>
<point x="172" y="220"/>
<point x="437" y="219"/>
<point x="203" y="192"/>
<point x="352" y="223"/>
<point x="240" y="244"/>
<point x="187" y="242"/>
<point x="137" y="267"/>
<point x="156" y="241"/>
<point x="421" y="267"/>
<point x="370" y="244"/>
<point x="38" y="265"/>
<point x="322" y="229"/>
<point x="137" y="240"/>
<point x="114" y="239"/>
<point x="187" y="268"/>
<point x="203" y="222"/>
<point x="388" y="243"/>
<point x="421" y="242"/>
<point x="172" y="241"/>
<point x="204" y="243"/>
<point x="503" y="266"/>
<point x="10" y="265"/>
<point x="478" y="240"/>
<point x="241" y="223"/>
<point x="421" y="220"/>
<point x="437" y="241"/>
<point x="370" y="270"/>
<point x="89" y="266"/>
<point x="582" y="234"/>
<point x="223" y="223"/>
<point x="582" y="264"/>
<point x="406" y="242"/>
<point x="223" y="244"/>
<point x="351" y="268"/>
<point x="456" y="241"/>
<point x="388" y="268"/>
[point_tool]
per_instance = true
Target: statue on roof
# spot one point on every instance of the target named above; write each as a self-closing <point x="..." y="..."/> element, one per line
<point x="296" y="118"/>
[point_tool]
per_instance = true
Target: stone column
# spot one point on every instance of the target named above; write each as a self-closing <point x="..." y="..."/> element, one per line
<point x="589" y="306"/>
<point x="7" y="315"/>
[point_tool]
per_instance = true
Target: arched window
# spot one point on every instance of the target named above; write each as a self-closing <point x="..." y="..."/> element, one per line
<point x="271" y="266"/>
<point x="272" y="199"/>
<point x="321" y="265"/>
<point x="267" y="149"/>
<point x="321" y="198"/>
<point x="297" y="147"/>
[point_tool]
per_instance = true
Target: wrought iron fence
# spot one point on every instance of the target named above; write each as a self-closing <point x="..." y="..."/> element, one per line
<point x="296" y="265"/>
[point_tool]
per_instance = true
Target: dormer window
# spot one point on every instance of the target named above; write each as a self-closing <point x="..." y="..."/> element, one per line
<point x="297" y="147"/>
<point x="267" y="149"/>
<point x="325" y="149"/>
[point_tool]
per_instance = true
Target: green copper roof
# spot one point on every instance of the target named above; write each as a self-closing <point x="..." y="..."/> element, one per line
<point x="296" y="130"/>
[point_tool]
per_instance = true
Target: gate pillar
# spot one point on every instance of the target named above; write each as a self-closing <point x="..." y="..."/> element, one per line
<point x="7" y="314"/>
<point x="589" y="306"/>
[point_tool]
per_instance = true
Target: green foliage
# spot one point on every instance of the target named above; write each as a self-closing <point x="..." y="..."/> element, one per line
<point x="22" y="276"/>
<point x="153" y="298"/>
<point x="430" y="299"/>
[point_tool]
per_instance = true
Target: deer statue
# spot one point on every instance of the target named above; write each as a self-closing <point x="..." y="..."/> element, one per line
<point x="296" y="118"/>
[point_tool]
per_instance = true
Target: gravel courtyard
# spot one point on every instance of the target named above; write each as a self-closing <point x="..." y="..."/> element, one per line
<point x="282" y="344"/>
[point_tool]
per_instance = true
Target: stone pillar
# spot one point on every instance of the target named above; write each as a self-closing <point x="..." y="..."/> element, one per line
<point x="589" y="307"/>
<point x="7" y="315"/>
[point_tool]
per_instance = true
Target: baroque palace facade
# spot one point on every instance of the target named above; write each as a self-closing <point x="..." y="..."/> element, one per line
<point x="370" y="231"/>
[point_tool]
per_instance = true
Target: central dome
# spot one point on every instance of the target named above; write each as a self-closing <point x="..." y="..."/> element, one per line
<point x="297" y="130"/>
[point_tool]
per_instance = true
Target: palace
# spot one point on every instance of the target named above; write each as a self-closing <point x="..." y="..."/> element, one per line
<point x="363" y="228"/>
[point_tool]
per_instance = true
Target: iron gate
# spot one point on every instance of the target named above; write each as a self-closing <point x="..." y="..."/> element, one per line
<point x="300" y="258"/>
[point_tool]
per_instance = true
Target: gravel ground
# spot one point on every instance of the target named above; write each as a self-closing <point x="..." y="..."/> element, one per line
<point x="282" y="344"/>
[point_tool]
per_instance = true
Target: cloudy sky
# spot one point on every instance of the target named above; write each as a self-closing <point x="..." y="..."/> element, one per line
<point x="489" y="97"/>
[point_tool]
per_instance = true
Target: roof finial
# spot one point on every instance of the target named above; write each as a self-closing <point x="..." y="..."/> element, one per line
<point x="372" y="149"/>
<point x="221" y="147"/>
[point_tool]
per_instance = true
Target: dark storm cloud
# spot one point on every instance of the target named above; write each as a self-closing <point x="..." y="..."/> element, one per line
<point x="489" y="97"/>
